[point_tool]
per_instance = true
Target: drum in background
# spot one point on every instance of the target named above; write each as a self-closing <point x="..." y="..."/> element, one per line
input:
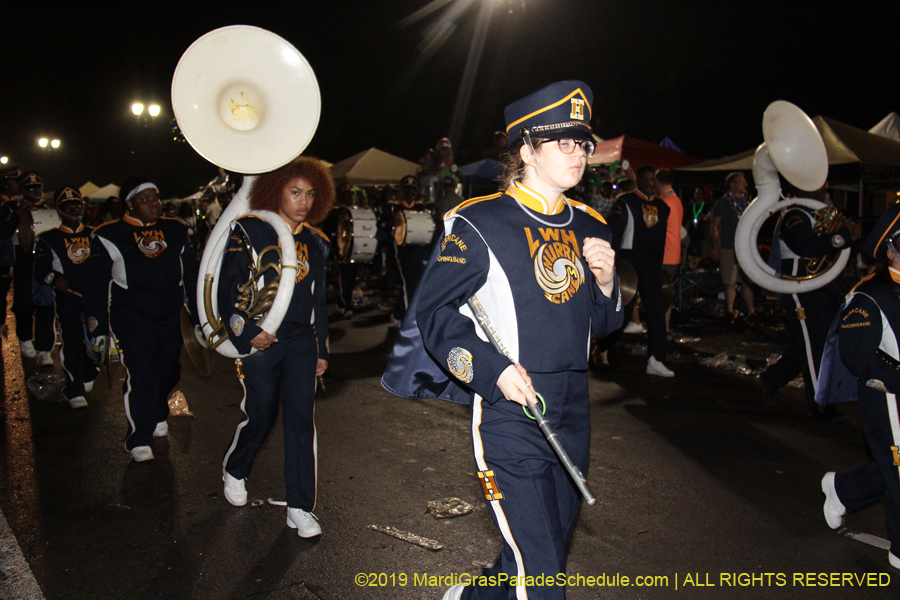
<point x="356" y="228"/>
<point x="413" y="228"/>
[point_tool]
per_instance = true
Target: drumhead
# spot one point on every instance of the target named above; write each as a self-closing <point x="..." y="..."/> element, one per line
<point x="344" y="237"/>
<point x="399" y="224"/>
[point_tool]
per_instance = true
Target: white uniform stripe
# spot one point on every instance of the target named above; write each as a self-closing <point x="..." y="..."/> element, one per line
<point x="241" y="425"/>
<point x="127" y="397"/>
<point x="315" y="450"/>
<point x="891" y="400"/>
<point x="521" y="592"/>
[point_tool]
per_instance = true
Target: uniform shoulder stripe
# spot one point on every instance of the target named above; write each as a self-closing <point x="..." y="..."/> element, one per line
<point x="861" y="281"/>
<point x="585" y="208"/>
<point x="472" y="202"/>
<point x="319" y="232"/>
<point x="102" y="225"/>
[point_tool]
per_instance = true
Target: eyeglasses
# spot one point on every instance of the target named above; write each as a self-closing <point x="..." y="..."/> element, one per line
<point x="568" y="146"/>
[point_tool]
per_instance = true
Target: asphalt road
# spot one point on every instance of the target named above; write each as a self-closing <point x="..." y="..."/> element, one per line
<point x="700" y="487"/>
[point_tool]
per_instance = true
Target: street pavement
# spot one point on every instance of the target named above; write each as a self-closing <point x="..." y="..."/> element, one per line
<point x="703" y="492"/>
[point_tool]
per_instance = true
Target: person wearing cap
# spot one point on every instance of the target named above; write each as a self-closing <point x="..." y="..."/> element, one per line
<point x="284" y="367"/>
<point x="796" y="242"/>
<point x="144" y="267"/>
<point x="411" y="258"/>
<point x="34" y="315"/>
<point x="862" y="362"/>
<point x="639" y="220"/>
<point x="61" y="260"/>
<point x="542" y="268"/>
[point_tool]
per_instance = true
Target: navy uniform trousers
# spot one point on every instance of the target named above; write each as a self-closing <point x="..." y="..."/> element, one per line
<point x="878" y="479"/>
<point x="284" y="371"/>
<point x="77" y="365"/>
<point x="539" y="505"/>
<point x="28" y="315"/>
<point x="149" y="350"/>
<point x="648" y="267"/>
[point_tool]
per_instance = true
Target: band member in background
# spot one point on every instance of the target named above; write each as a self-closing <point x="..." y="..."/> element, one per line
<point x="638" y="221"/>
<point x="411" y="258"/>
<point x="147" y="264"/>
<point x="865" y="365"/>
<point x="808" y="314"/>
<point x="285" y="366"/>
<point x="9" y="194"/>
<point x="542" y="267"/>
<point x="34" y="320"/>
<point x="348" y="196"/>
<point x="61" y="259"/>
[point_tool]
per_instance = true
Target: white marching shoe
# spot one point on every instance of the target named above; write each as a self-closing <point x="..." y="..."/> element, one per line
<point x="235" y="490"/>
<point x="833" y="509"/>
<point x="306" y="523"/>
<point x="454" y="593"/>
<point x="88" y="386"/>
<point x="141" y="453"/>
<point x="27" y="348"/>
<point x="78" y="402"/>
<point x="654" y="367"/>
<point x="45" y="359"/>
<point x="633" y="327"/>
<point x="161" y="430"/>
<point x="895" y="562"/>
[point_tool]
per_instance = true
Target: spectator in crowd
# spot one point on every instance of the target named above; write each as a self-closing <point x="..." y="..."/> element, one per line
<point x="672" y="254"/>
<point x="726" y="214"/>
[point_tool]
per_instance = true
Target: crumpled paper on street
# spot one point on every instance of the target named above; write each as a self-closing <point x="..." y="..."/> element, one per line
<point x="449" y="508"/>
<point x="47" y="386"/>
<point x="178" y="406"/>
<point x="722" y="361"/>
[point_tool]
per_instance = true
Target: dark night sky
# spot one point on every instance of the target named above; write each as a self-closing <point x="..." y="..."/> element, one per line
<point x="700" y="73"/>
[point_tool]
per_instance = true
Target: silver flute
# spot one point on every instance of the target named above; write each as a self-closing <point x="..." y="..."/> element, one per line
<point x="574" y="472"/>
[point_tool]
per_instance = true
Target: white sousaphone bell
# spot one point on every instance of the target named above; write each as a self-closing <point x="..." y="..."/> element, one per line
<point x="247" y="101"/>
<point x="794" y="148"/>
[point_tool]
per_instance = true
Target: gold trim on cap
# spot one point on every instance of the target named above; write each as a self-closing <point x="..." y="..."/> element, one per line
<point x="554" y="105"/>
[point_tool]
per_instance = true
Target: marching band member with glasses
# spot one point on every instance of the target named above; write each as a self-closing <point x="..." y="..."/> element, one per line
<point x="285" y="366"/>
<point x="542" y="267"/>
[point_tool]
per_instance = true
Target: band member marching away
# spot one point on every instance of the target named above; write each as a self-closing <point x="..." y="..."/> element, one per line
<point x="542" y="269"/>
<point x="864" y="364"/>
<point x="286" y="364"/>
<point x="145" y="266"/>
<point x="61" y="259"/>
<point x="411" y="258"/>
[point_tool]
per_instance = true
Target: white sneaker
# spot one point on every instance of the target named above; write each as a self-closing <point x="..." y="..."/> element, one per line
<point x="654" y="367"/>
<point x="78" y="402"/>
<point x="633" y="327"/>
<point x="235" y="491"/>
<point x="141" y="453"/>
<point x="306" y="523"/>
<point x="27" y="348"/>
<point x="162" y="429"/>
<point x="88" y="386"/>
<point x="454" y="593"/>
<point x="895" y="562"/>
<point x="45" y="359"/>
<point x="833" y="509"/>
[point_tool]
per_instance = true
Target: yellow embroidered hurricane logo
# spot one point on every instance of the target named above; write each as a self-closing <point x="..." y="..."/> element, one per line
<point x="302" y="261"/>
<point x="78" y="249"/>
<point x="151" y="243"/>
<point x="651" y="215"/>
<point x="557" y="262"/>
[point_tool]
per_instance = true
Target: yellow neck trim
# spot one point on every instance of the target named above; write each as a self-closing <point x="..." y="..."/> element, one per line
<point x="531" y="199"/>
<point x="65" y="229"/>
<point x="135" y="221"/>
<point x="895" y="274"/>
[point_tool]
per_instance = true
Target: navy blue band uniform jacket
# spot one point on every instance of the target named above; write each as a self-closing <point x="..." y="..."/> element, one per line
<point x="63" y="251"/>
<point x="634" y="220"/>
<point x="306" y="312"/>
<point x="528" y="274"/>
<point x="145" y="268"/>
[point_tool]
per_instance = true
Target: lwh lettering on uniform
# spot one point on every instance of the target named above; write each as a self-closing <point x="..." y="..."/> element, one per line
<point x="557" y="262"/>
<point x="302" y="260"/>
<point x="151" y="243"/>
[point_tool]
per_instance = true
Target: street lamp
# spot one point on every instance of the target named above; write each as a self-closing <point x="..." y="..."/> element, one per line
<point x="54" y="144"/>
<point x="137" y="108"/>
<point x="4" y="160"/>
<point x="43" y="142"/>
<point x="153" y="110"/>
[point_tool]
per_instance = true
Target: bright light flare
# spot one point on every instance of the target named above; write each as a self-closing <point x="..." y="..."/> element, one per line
<point x="137" y="108"/>
<point x="43" y="142"/>
<point x="54" y="143"/>
<point x="153" y="110"/>
<point x="4" y="160"/>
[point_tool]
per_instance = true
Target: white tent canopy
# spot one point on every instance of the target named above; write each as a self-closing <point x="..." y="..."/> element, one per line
<point x="372" y="167"/>
<point x="888" y="127"/>
<point x="103" y="193"/>
<point x="88" y="188"/>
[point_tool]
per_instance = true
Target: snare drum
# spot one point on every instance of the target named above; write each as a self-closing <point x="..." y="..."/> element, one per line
<point x="356" y="229"/>
<point x="45" y="219"/>
<point x="413" y="228"/>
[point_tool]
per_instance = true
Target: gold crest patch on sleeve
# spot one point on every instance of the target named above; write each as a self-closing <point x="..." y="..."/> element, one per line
<point x="489" y="485"/>
<point x="460" y="363"/>
<point x="237" y="324"/>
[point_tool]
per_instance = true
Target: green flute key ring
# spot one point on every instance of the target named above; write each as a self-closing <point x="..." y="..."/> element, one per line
<point x="543" y="407"/>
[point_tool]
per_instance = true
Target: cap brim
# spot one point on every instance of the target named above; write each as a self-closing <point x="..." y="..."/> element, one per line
<point x="571" y="133"/>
